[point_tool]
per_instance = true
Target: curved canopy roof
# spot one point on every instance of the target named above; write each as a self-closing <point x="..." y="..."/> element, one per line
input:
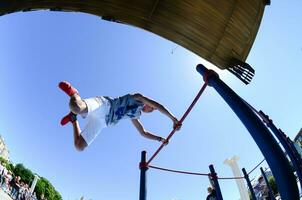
<point x="216" y="30"/>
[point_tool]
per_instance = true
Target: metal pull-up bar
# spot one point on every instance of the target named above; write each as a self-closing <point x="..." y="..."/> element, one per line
<point x="180" y="122"/>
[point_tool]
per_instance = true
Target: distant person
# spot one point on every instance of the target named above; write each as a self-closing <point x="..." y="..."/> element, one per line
<point x="42" y="197"/>
<point x="7" y="178"/>
<point x="103" y="111"/>
<point x="34" y="196"/>
<point x="15" y="184"/>
<point x="2" y="171"/>
<point x="212" y="194"/>
<point x="24" y="193"/>
<point x="262" y="191"/>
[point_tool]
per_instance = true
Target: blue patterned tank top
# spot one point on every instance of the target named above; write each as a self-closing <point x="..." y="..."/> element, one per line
<point x="122" y="108"/>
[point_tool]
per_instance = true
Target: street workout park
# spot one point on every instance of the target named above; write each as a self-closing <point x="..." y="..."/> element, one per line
<point x="226" y="48"/>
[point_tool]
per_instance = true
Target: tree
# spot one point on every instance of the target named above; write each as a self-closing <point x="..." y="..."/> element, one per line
<point x="9" y="166"/>
<point x="45" y="187"/>
<point x="3" y="161"/>
<point x="26" y="175"/>
<point x="272" y="183"/>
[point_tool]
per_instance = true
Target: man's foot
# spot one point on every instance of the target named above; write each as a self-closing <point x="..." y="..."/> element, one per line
<point x="71" y="117"/>
<point x="67" y="88"/>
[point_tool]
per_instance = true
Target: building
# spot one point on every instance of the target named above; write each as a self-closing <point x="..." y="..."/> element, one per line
<point x="298" y="137"/>
<point x="4" y="153"/>
<point x="298" y="142"/>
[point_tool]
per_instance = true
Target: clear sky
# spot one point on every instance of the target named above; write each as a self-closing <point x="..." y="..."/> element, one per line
<point x="39" y="49"/>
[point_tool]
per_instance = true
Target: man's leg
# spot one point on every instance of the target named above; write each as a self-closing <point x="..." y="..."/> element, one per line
<point x="67" y="88"/>
<point x="77" y="106"/>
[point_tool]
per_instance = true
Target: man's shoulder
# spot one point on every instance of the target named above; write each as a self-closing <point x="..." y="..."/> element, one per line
<point x="211" y="197"/>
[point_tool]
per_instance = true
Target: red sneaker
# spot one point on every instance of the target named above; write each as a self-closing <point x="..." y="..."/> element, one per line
<point x="67" y="88"/>
<point x="71" y="117"/>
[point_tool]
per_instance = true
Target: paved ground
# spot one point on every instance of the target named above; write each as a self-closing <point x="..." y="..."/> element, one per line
<point x="4" y="196"/>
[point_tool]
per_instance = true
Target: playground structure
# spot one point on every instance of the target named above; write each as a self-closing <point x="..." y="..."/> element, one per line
<point x="255" y="123"/>
<point x="221" y="32"/>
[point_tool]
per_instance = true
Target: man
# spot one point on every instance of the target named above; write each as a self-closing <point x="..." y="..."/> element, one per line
<point x="15" y="184"/>
<point x="212" y="194"/>
<point x="1" y="173"/>
<point x="261" y="189"/>
<point x="104" y="111"/>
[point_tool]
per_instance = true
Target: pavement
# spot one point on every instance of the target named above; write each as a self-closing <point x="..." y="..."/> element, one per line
<point x="4" y="196"/>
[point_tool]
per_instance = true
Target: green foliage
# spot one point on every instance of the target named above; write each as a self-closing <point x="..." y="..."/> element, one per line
<point x="273" y="185"/>
<point x="26" y="175"/>
<point x="7" y="164"/>
<point x="250" y="195"/>
<point x="3" y="161"/>
<point x="45" y="187"/>
<point x="10" y="167"/>
<point x="40" y="187"/>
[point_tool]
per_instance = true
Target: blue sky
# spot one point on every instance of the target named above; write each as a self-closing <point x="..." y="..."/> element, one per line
<point x="39" y="49"/>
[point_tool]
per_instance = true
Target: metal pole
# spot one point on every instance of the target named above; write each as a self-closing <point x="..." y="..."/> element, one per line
<point x="215" y="181"/>
<point x="34" y="183"/>
<point x="295" y="151"/>
<point x="269" y="147"/>
<point x="143" y="168"/>
<point x="296" y="161"/>
<point x="297" y="155"/>
<point x="270" y="191"/>
<point x="249" y="184"/>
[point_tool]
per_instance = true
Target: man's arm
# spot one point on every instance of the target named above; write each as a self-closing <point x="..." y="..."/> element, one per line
<point x="160" y="107"/>
<point x="79" y="142"/>
<point x="145" y="133"/>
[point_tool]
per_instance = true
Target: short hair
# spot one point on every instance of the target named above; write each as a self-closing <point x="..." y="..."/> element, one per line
<point x="210" y="189"/>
